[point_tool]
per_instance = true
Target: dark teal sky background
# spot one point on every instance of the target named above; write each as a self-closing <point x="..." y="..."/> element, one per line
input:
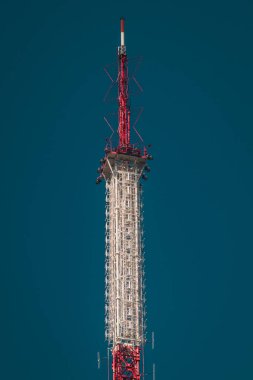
<point x="197" y="77"/>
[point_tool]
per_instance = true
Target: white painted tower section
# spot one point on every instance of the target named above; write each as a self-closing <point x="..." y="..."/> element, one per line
<point x="124" y="310"/>
<point x="122" y="38"/>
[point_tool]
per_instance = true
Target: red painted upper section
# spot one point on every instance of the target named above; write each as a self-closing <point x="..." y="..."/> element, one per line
<point x="122" y="24"/>
<point x="123" y="100"/>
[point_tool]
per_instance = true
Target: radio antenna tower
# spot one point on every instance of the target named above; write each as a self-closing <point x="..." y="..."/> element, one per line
<point x="123" y="168"/>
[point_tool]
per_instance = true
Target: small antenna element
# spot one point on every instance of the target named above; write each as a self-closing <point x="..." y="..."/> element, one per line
<point x="108" y="363"/>
<point x="153" y="340"/>
<point x="98" y="359"/>
<point x="153" y="371"/>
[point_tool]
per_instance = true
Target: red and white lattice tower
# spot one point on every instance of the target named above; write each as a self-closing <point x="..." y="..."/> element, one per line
<point x="123" y="167"/>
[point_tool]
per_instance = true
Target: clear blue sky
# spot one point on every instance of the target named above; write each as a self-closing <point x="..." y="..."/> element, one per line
<point x="197" y="79"/>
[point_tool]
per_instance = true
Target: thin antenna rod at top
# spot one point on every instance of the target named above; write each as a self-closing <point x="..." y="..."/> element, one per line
<point x="122" y="31"/>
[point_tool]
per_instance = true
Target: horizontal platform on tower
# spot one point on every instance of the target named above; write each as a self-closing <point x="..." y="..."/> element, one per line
<point x="113" y="157"/>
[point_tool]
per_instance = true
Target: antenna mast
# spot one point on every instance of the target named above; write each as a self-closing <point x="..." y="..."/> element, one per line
<point x="123" y="100"/>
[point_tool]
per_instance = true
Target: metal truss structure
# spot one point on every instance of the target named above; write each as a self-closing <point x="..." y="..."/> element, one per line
<point x="123" y="168"/>
<point x="126" y="362"/>
<point x="124" y="252"/>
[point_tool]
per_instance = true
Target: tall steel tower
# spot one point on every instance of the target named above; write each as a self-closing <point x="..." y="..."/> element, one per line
<point x="123" y="168"/>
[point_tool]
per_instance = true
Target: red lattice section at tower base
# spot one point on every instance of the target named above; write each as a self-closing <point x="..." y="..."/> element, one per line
<point x="126" y="362"/>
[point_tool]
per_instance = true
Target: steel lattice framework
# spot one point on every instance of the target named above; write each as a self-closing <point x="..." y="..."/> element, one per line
<point x="124" y="259"/>
<point x="123" y="168"/>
